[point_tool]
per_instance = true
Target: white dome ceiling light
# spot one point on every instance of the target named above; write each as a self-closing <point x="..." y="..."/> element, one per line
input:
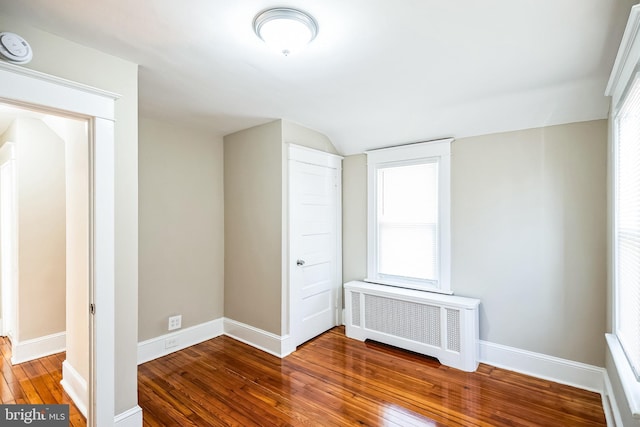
<point x="285" y="30"/>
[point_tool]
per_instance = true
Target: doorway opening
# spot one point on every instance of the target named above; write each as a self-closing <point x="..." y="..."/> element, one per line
<point x="44" y="243"/>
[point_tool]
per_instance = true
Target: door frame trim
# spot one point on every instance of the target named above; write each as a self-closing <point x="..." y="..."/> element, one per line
<point x="32" y="89"/>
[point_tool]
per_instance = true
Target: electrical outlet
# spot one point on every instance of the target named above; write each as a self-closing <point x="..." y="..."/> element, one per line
<point x="175" y="322"/>
<point x="171" y="342"/>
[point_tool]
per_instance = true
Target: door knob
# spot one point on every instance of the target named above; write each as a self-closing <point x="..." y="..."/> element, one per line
<point x="300" y="262"/>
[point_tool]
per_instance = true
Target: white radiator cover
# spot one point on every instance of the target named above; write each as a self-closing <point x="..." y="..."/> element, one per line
<point x="442" y="326"/>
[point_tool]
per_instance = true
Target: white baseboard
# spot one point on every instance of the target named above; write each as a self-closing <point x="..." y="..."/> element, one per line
<point x="157" y="347"/>
<point x="129" y="418"/>
<point x="36" y="348"/>
<point x="266" y="341"/>
<point x="75" y="386"/>
<point x="576" y="374"/>
<point x="277" y="345"/>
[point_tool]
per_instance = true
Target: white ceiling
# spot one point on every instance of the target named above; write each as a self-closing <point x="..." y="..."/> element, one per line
<point x="380" y="72"/>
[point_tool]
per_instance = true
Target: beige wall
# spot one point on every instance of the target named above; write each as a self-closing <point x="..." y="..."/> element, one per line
<point x="181" y="227"/>
<point x="66" y="59"/>
<point x="74" y="133"/>
<point x="9" y="135"/>
<point x="7" y="155"/>
<point x="528" y="235"/>
<point x="354" y="217"/>
<point x="253" y="226"/>
<point x="40" y="162"/>
<point x="297" y="134"/>
<point x="529" y="221"/>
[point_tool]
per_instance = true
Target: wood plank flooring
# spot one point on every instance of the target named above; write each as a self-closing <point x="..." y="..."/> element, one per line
<point x="336" y="381"/>
<point x="329" y="381"/>
<point x="35" y="382"/>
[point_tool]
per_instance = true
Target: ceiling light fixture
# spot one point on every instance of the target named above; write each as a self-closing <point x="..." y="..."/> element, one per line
<point x="284" y="29"/>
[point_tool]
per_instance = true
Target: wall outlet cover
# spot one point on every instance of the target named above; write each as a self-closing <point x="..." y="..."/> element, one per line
<point x="175" y="322"/>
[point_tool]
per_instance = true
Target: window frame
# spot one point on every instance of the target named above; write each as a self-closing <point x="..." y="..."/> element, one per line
<point x="412" y="154"/>
<point x="625" y="70"/>
<point x="634" y="81"/>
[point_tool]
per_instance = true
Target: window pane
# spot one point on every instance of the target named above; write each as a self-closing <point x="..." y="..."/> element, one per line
<point x="407" y="221"/>
<point x="627" y="227"/>
<point x="408" y="193"/>
<point x="408" y="251"/>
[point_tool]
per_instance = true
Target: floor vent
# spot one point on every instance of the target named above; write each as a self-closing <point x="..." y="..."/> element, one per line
<point x="441" y="326"/>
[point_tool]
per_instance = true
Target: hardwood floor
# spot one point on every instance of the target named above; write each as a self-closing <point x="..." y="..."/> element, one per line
<point x="35" y="382"/>
<point x="335" y="381"/>
<point x="329" y="381"/>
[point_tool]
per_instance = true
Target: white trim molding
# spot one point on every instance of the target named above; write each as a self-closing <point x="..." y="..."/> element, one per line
<point x="24" y="351"/>
<point x="563" y="371"/>
<point x="628" y="54"/>
<point x="57" y="92"/>
<point x="102" y="289"/>
<point x="75" y="386"/>
<point x="630" y="385"/>
<point x="26" y="87"/>
<point x="276" y="345"/>
<point x="166" y="344"/>
<point x="129" y="418"/>
<point x="610" y="405"/>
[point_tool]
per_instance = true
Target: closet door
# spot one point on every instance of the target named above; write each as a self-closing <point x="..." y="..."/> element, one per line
<point x="315" y="242"/>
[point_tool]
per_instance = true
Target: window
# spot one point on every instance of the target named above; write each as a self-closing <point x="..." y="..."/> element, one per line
<point x="408" y="218"/>
<point x="624" y="211"/>
<point x="627" y="226"/>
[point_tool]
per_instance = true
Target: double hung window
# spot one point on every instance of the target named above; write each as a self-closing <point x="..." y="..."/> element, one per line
<point x="408" y="219"/>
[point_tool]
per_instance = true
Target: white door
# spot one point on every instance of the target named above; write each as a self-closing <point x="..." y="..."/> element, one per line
<point x="315" y="246"/>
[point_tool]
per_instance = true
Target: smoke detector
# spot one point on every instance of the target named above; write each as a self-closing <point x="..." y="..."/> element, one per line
<point x="14" y="48"/>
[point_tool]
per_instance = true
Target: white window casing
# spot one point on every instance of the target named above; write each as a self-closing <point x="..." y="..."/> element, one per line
<point x="624" y="89"/>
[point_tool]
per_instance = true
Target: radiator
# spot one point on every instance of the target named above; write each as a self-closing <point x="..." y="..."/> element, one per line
<point x="441" y="326"/>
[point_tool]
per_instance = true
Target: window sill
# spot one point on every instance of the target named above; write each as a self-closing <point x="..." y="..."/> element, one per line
<point x="630" y="385"/>
<point x="409" y="285"/>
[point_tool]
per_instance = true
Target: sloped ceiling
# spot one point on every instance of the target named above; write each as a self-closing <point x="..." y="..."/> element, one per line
<point x="379" y="73"/>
